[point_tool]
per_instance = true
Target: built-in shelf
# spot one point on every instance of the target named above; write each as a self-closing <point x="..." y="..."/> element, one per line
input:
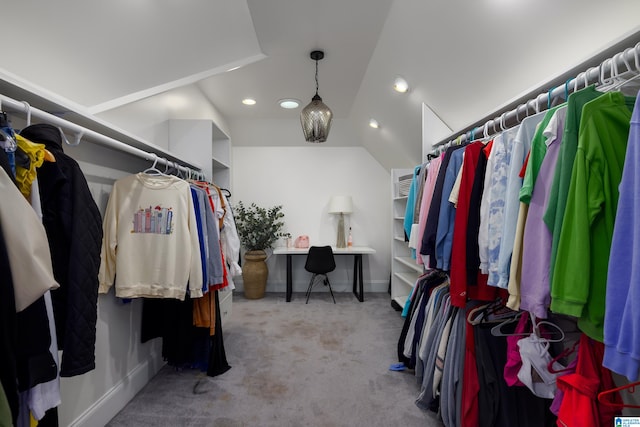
<point x="404" y="269"/>
<point x="203" y="141"/>
<point x="408" y="278"/>
<point x="400" y="300"/>
<point x="409" y="262"/>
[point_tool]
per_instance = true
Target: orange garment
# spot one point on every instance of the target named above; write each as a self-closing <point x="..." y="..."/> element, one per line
<point x="204" y="312"/>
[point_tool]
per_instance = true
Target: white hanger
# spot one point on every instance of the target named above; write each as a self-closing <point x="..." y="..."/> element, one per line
<point x="494" y="123"/>
<point x="485" y="132"/>
<point x="28" y="111"/>
<point x="496" y="331"/>
<point x="576" y="86"/>
<point x="502" y="121"/>
<point x="518" y="113"/>
<point x="618" y="80"/>
<point x="605" y="84"/>
<point x="536" y="105"/>
<point x="153" y="170"/>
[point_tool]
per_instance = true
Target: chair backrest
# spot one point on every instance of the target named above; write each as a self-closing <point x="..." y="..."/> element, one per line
<point x="320" y="260"/>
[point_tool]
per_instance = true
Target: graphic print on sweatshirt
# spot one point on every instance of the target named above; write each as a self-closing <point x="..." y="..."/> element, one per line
<point x="153" y="220"/>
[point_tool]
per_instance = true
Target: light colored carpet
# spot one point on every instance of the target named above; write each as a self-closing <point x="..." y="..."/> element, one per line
<point x="292" y="365"/>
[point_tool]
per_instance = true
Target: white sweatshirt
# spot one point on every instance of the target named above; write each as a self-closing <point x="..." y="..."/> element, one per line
<point x="150" y="243"/>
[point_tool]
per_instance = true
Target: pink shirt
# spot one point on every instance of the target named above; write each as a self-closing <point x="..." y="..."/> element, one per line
<point x="427" y="195"/>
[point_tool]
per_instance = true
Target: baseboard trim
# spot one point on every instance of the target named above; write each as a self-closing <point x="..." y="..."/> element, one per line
<point x="338" y="286"/>
<point x="112" y="402"/>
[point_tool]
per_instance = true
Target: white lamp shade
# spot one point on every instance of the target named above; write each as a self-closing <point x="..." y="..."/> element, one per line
<point x="340" y="204"/>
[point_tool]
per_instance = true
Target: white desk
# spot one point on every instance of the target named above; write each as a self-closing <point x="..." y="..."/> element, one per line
<point x="356" y="251"/>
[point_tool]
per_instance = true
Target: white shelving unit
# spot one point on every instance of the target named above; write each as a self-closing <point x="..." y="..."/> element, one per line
<point x="404" y="269"/>
<point x="203" y="142"/>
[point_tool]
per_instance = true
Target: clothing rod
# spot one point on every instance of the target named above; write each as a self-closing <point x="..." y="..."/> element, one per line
<point x="93" y="136"/>
<point x="624" y="61"/>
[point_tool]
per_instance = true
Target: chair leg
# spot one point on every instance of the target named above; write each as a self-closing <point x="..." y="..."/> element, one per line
<point x="310" y="287"/>
<point x="327" y="282"/>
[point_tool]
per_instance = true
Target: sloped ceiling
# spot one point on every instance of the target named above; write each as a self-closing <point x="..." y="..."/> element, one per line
<point x="462" y="58"/>
<point x="101" y="54"/>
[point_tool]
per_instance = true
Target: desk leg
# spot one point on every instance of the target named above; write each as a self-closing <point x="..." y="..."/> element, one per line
<point x="357" y="277"/>
<point x="289" y="279"/>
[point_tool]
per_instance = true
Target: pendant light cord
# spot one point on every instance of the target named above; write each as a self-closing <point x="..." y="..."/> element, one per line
<point x="316" y="77"/>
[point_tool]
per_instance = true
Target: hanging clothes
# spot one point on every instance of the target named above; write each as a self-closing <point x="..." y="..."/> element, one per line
<point x="230" y="242"/>
<point x="513" y="182"/>
<point x="202" y="236"/>
<point x="580" y="405"/>
<point x="27" y="246"/>
<point x="535" y="285"/>
<point x="559" y="191"/>
<point x="475" y="213"/>
<point x="537" y="214"/>
<point x="411" y="201"/>
<point x="74" y="231"/>
<point x="211" y="232"/>
<point x="447" y="212"/>
<point x="492" y="225"/>
<point x="35" y="154"/>
<point x="501" y="405"/>
<point x="528" y="175"/>
<point x="429" y="186"/>
<point x="8" y="334"/>
<point x="460" y="290"/>
<point x="576" y="289"/>
<point x="428" y="245"/>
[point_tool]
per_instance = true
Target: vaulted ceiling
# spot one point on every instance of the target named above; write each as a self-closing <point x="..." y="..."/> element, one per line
<point x="462" y="58"/>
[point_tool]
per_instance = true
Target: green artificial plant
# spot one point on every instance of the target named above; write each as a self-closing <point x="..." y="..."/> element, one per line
<point x="259" y="228"/>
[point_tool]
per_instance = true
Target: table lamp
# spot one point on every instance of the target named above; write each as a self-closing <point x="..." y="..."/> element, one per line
<point x="340" y="205"/>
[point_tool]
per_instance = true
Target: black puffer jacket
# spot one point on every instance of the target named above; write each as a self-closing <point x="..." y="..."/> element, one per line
<point x="74" y="230"/>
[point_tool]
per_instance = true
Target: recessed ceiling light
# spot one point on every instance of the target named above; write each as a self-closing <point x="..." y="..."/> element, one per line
<point x="289" y="103"/>
<point x="374" y="123"/>
<point x="249" y="101"/>
<point x="400" y="85"/>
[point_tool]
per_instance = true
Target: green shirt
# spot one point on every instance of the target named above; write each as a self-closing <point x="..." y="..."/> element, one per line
<point x="536" y="156"/>
<point x="580" y="272"/>
<point x="562" y="175"/>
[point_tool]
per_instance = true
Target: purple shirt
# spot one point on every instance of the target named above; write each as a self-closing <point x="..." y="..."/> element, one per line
<point x="536" y="252"/>
<point x="622" y="317"/>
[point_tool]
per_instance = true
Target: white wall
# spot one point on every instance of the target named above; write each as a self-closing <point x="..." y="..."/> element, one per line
<point x="302" y="179"/>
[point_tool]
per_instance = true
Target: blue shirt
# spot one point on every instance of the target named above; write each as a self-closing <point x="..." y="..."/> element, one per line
<point x="446" y="219"/>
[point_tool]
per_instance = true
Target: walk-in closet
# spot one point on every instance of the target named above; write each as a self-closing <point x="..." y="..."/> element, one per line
<point x="169" y="172"/>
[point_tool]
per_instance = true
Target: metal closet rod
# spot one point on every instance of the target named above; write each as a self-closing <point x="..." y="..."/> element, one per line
<point x="82" y="132"/>
<point x="607" y="69"/>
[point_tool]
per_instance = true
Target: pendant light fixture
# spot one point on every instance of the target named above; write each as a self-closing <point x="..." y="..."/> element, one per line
<point x="316" y="117"/>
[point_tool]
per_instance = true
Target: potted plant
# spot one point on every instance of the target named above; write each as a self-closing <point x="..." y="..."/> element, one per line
<point x="258" y="228"/>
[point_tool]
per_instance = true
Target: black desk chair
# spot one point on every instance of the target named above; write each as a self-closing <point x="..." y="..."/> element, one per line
<point x="320" y="261"/>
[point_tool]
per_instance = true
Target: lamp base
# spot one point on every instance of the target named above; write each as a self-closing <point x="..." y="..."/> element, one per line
<point x="341" y="243"/>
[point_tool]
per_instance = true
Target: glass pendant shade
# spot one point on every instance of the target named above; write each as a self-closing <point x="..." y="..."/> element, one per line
<point x="316" y="120"/>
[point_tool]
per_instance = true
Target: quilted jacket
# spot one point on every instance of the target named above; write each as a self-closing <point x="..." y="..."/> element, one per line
<point x="74" y="229"/>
